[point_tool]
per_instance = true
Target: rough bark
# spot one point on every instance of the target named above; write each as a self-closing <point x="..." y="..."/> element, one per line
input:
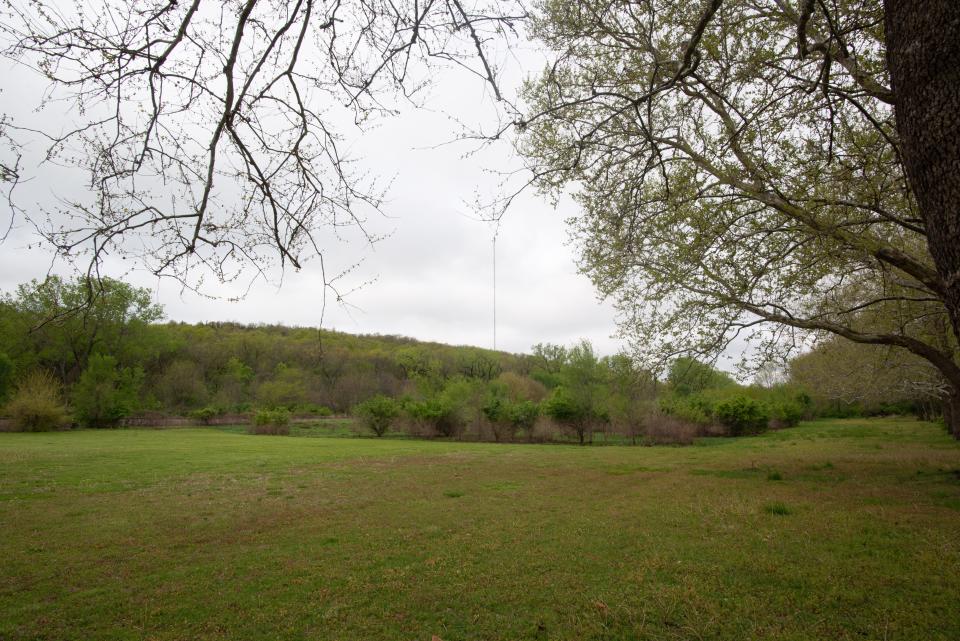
<point x="951" y="413"/>
<point x="923" y="56"/>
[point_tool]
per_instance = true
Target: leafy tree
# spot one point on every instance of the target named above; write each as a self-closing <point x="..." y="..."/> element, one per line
<point x="690" y="376"/>
<point x="287" y="388"/>
<point x="564" y="408"/>
<point x="476" y="363"/>
<point x="234" y="382"/>
<point x="631" y="395"/>
<point x="106" y="393"/>
<point x="523" y="415"/>
<point x="377" y="413"/>
<point x="59" y="324"/>
<point x="7" y="370"/>
<point x="496" y="409"/>
<point x="507" y="415"/>
<point x="725" y="187"/>
<point x="766" y="187"/>
<point x="181" y="386"/>
<point x="451" y="409"/>
<point x="522" y="388"/>
<point x="841" y="372"/>
<point x="548" y="360"/>
<point x="580" y="400"/>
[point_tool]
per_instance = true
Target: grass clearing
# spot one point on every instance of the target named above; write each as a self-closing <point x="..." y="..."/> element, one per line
<point x="217" y="534"/>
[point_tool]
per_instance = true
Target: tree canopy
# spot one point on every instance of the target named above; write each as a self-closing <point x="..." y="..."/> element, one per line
<point x="740" y="170"/>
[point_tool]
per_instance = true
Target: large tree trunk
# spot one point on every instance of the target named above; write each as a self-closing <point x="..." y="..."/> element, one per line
<point x="923" y="56"/>
<point x="951" y="413"/>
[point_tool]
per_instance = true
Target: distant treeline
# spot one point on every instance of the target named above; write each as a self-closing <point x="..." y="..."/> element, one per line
<point x="67" y="357"/>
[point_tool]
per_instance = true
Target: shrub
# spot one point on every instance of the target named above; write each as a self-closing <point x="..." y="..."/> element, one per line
<point x="36" y="405"/>
<point x="742" y="415"/>
<point x="377" y="413"/>
<point x="205" y="414"/>
<point x="271" y="422"/>
<point x="437" y="414"/>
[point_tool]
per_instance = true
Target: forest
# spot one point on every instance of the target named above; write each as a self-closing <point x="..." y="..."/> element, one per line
<point x="117" y="363"/>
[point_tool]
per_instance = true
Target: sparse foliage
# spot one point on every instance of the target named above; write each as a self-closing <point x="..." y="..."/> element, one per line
<point x="211" y="133"/>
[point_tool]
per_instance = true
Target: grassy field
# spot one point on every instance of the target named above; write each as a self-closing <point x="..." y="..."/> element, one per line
<point x="842" y="530"/>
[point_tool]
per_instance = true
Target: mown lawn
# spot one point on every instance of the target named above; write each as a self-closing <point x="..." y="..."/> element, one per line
<point x="842" y="530"/>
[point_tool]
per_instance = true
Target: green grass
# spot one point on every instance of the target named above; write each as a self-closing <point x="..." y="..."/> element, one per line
<point x="216" y="534"/>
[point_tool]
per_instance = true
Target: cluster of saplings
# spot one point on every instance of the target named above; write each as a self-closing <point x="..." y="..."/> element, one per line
<point x="586" y="396"/>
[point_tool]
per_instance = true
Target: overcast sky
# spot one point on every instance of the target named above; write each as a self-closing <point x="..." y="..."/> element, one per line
<point x="432" y="276"/>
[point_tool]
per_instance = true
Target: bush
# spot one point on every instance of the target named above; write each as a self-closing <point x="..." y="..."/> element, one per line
<point x="205" y="414"/>
<point x="271" y="422"/>
<point x="438" y="414"/>
<point x="36" y="405"/>
<point x="742" y="415"/>
<point x="377" y="413"/>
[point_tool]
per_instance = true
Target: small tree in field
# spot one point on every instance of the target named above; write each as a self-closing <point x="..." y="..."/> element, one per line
<point x="377" y="413"/>
<point x="505" y="415"/>
<point x="496" y="409"/>
<point x="522" y="415"/>
<point x="562" y="407"/>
